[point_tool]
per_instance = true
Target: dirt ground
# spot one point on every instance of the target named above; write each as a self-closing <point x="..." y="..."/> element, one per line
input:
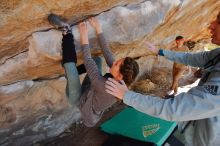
<point x="80" y="135"/>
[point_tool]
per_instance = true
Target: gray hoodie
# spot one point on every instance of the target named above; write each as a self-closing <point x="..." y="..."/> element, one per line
<point x="95" y="100"/>
<point x="200" y="103"/>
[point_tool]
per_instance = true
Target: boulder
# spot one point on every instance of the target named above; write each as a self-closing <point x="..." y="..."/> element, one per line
<point x="33" y="104"/>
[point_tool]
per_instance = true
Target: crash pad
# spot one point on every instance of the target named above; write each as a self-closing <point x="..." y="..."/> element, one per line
<point x="139" y="126"/>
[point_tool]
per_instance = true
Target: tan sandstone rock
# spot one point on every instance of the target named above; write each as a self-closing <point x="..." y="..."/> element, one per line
<point x="33" y="105"/>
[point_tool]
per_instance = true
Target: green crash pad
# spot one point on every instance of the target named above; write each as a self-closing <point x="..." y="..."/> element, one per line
<point x="134" y="124"/>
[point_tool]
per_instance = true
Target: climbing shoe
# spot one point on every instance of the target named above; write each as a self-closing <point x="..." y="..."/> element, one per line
<point x="59" y="23"/>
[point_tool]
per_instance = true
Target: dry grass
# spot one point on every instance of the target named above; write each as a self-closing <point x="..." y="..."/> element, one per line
<point x="155" y="82"/>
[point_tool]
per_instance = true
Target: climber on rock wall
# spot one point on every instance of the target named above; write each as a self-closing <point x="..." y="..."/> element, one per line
<point x="91" y="97"/>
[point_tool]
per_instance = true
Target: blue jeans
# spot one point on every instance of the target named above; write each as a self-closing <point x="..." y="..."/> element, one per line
<point x="73" y="88"/>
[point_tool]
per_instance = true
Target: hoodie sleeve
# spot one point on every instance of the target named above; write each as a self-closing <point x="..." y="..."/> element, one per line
<point x="193" y="59"/>
<point x="108" y="55"/>
<point x="90" y="65"/>
<point x="199" y="102"/>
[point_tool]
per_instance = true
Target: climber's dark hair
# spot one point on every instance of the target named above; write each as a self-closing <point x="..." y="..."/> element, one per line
<point x="179" y="37"/>
<point x="129" y="69"/>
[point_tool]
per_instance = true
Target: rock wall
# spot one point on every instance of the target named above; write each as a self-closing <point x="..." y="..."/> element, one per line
<point x="33" y="105"/>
